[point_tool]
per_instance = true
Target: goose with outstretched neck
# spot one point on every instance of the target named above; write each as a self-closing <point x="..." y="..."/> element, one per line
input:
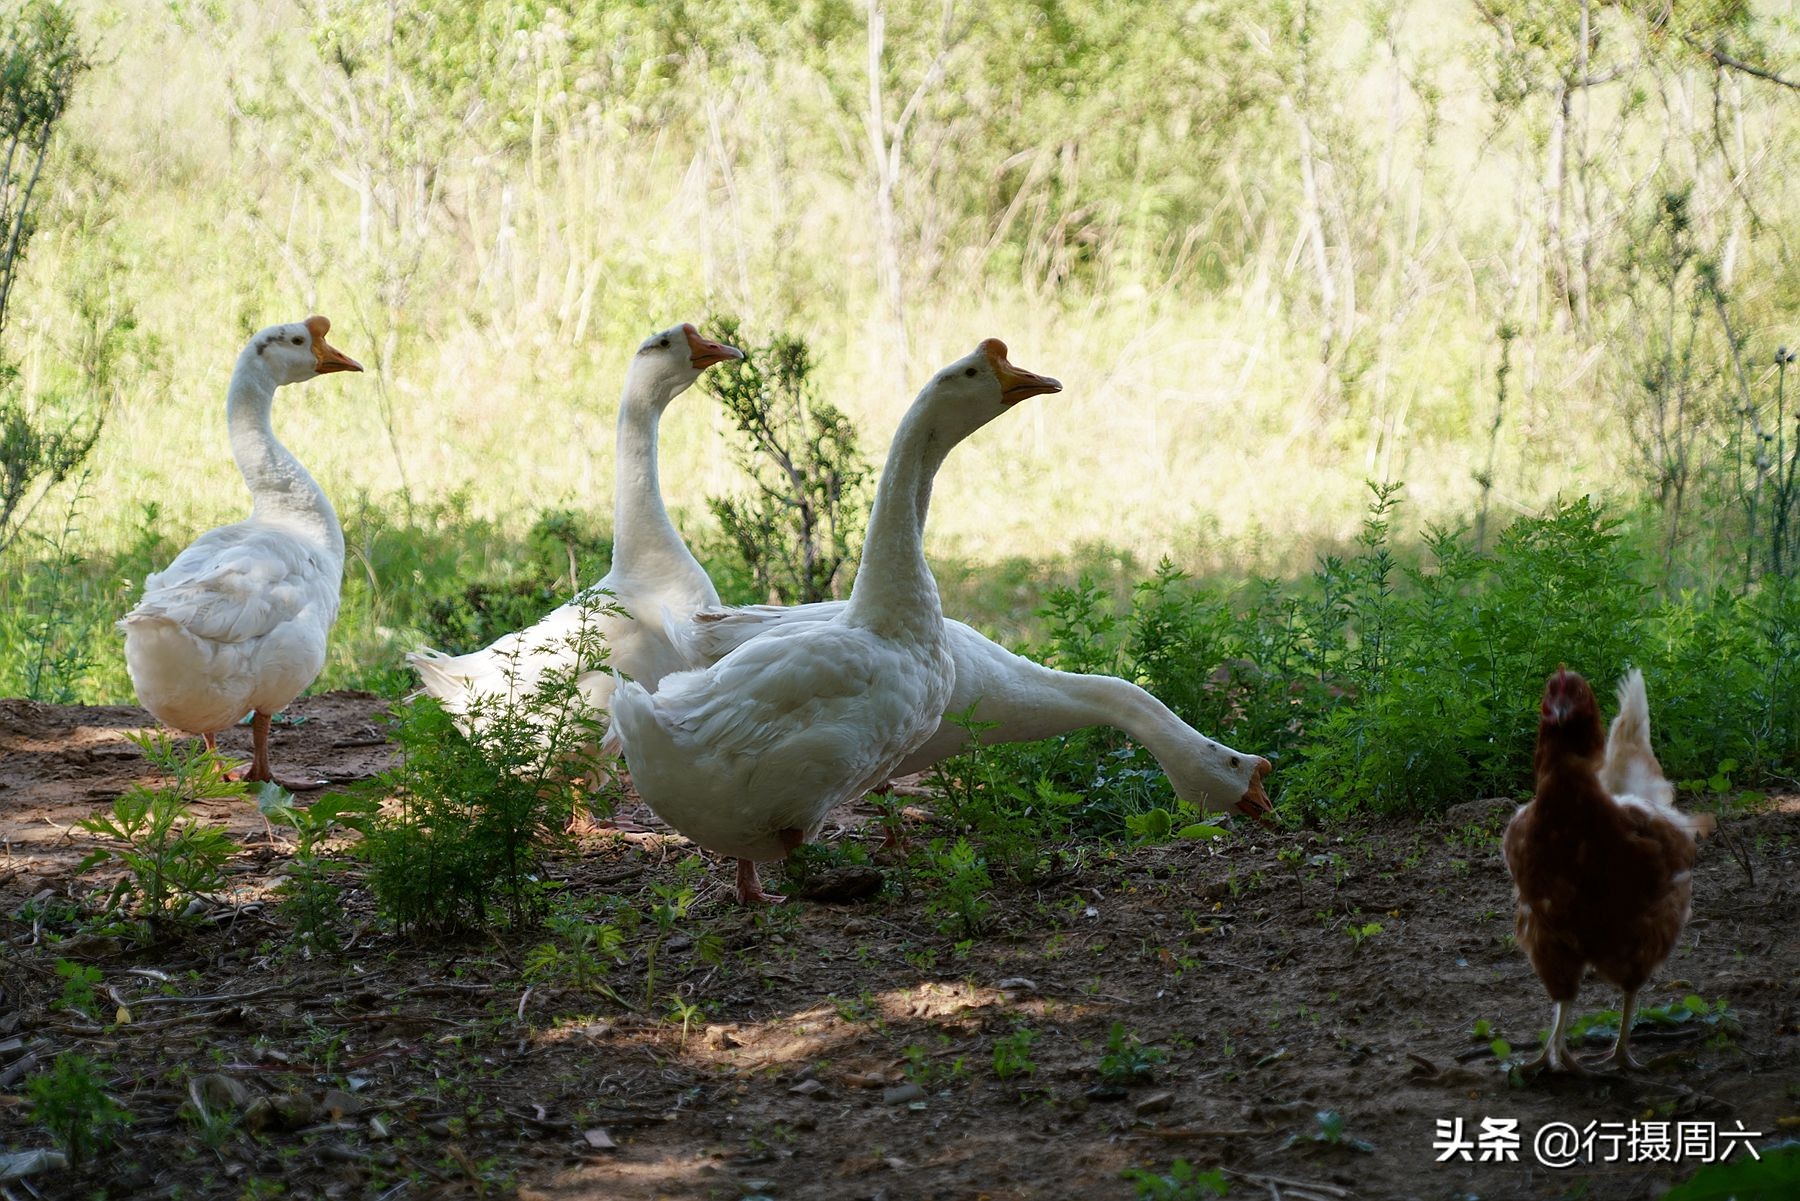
<point x="747" y="756"/>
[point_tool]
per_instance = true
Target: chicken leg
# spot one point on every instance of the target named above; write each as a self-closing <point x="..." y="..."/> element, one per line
<point x="1620" y="1056"/>
<point x="1555" y="1054"/>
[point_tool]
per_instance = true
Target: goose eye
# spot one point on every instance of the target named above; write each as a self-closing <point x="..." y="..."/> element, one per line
<point x="298" y="339"/>
<point x="664" y="342"/>
<point x="970" y="373"/>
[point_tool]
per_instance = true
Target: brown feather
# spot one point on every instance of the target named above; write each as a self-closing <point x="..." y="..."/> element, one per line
<point x="1600" y="883"/>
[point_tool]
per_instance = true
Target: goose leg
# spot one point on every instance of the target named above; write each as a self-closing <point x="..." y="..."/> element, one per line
<point x="749" y="886"/>
<point x="260" y="772"/>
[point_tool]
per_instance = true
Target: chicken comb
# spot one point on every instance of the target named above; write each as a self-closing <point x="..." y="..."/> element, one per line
<point x="1567" y="694"/>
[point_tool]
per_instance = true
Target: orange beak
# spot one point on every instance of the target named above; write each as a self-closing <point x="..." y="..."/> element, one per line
<point x="705" y="353"/>
<point x="1016" y="383"/>
<point x="1255" y="803"/>
<point x="328" y="357"/>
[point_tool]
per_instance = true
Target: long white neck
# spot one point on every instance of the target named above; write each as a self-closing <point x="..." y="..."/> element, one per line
<point x="282" y="491"/>
<point x="1192" y="761"/>
<point x="646" y="544"/>
<point x="894" y="590"/>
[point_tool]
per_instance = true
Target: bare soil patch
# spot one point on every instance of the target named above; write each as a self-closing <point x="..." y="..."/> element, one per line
<point x="848" y="1050"/>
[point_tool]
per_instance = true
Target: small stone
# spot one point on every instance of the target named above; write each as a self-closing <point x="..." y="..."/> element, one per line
<point x="900" y="1094"/>
<point x="1016" y="984"/>
<point x="1155" y="1103"/>
<point x="808" y="1088"/>
<point x="599" y="1139"/>
<point x="215" y="1092"/>
<point x="340" y="1104"/>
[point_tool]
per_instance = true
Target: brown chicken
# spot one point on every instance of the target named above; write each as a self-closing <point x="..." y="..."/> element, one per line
<point x="1603" y="877"/>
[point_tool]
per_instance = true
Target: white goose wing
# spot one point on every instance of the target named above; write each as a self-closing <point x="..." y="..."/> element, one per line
<point x="241" y="582"/>
<point x="806" y="707"/>
<point x="712" y="633"/>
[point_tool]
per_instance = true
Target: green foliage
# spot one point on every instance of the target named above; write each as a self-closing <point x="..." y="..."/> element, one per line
<point x="1126" y="1059"/>
<point x="804" y="518"/>
<point x="60" y="653"/>
<point x="1013" y="813"/>
<point x="78" y="993"/>
<point x="1743" y="1178"/>
<point x="581" y="951"/>
<point x="956" y="880"/>
<point x="476" y="807"/>
<point x="170" y="857"/>
<point x="561" y="551"/>
<point x="1602" y="1026"/>
<point x="1329" y="1132"/>
<point x="43" y="57"/>
<point x="671" y="904"/>
<point x="311" y="891"/>
<point x="1182" y="1182"/>
<point x="70" y="1101"/>
<point x="1360" y="934"/>
<point x="1012" y="1054"/>
<point x="1400" y="686"/>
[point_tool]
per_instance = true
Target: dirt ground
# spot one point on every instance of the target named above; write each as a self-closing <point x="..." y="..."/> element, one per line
<point x="848" y="1050"/>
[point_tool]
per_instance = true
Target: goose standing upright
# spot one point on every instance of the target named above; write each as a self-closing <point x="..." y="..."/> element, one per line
<point x="238" y="623"/>
<point x="654" y="578"/>
<point x="747" y="756"/>
<point x="1018" y="700"/>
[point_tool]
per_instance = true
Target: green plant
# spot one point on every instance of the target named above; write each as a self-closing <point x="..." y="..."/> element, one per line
<point x="672" y="902"/>
<point x="582" y="951"/>
<point x="1012" y="1054"/>
<point x="169" y="856"/>
<point x="1775" y="1174"/>
<point x="42" y="60"/>
<point x="956" y="877"/>
<point x="480" y="799"/>
<point x="1363" y="933"/>
<point x="70" y="1101"/>
<point x="1602" y="1026"/>
<point x="310" y="892"/>
<point x="78" y="992"/>
<point x="1126" y="1059"/>
<point x="804" y="520"/>
<point x="1329" y="1132"/>
<point x="1182" y="1182"/>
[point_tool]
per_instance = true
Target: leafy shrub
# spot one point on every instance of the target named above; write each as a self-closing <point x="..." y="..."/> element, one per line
<point x="987" y="792"/>
<point x="475" y="813"/>
<point x="1392" y="684"/>
<point x="70" y="1101"/>
<point x="310" y="891"/>
<point x="956" y="878"/>
<point x="169" y="856"/>
<point x="804" y="518"/>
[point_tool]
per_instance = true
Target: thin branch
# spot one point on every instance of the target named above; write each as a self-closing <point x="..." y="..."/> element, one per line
<point x="1725" y="60"/>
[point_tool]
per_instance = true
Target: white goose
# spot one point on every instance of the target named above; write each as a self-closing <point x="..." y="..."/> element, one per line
<point x="654" y="578"/>
<point x="747" y="756"/>
<point x="239" y="621"/>
<point x="1025" y="701"/>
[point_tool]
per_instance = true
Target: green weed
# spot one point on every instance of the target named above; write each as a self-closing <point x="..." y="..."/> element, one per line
<point x="1182" y="1182"/>
<point x="70" y="1101"/>
<point x="1127" y="1060"/>
<point x="1012" y="1054"/>
<point x="169" y="856"/>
